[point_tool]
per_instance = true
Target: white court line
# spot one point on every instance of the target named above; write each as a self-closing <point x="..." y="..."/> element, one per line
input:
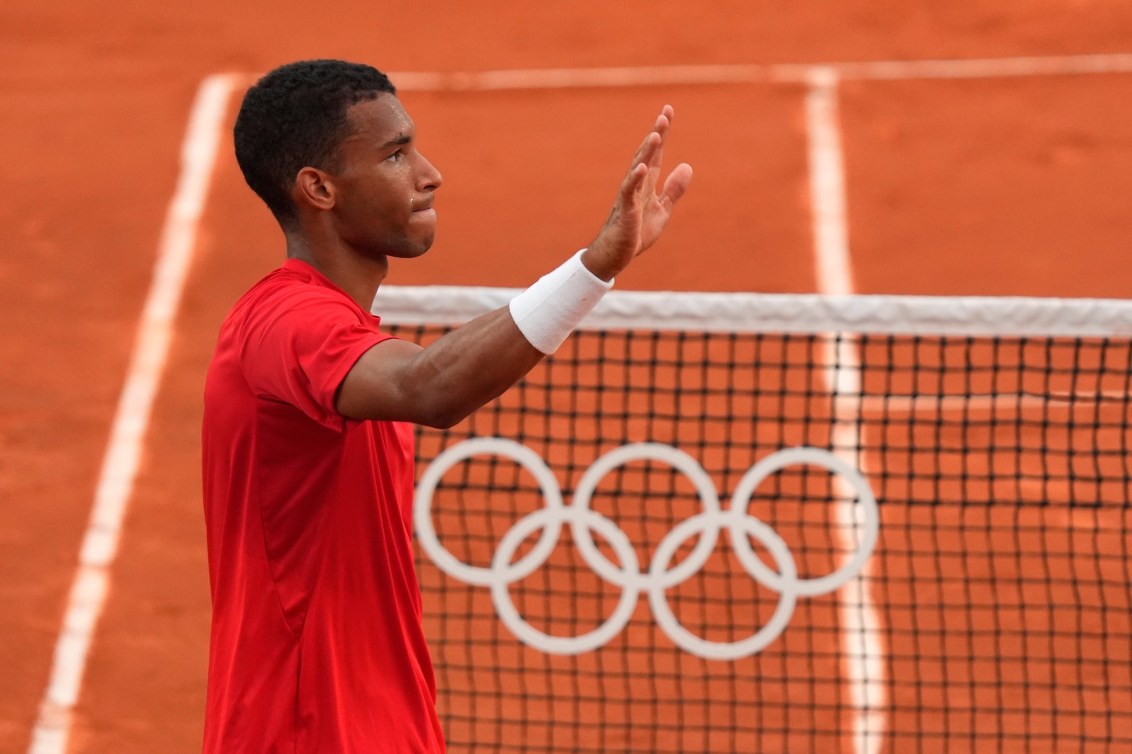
<point x="788" y="73"/>
<point x="827" y="185"/>
<point x="91" y="583"/>
<point x="860" y="622"/>
<point x="782" y="73"/>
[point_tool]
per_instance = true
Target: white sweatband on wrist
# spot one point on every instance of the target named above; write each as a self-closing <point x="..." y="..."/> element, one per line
<point x="549" y="310"/>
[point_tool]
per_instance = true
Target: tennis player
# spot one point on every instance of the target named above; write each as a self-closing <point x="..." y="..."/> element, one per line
<point x="316" y="642"/>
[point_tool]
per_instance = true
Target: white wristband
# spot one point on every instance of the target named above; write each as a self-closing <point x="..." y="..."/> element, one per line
<point x="549" y="310"/>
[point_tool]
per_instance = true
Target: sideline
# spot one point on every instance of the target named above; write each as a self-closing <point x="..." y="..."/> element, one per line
<point x="120" y="463"/>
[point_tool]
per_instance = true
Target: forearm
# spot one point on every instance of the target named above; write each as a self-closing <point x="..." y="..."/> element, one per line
<point x="474" y="364"/>
<point x="469" y="367"/>
<point x="452" y="377"/>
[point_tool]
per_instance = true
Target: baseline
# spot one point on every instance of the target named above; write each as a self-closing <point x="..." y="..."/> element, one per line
<point x="782" y="73"/>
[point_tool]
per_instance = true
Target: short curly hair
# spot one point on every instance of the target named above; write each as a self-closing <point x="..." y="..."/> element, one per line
<point x="295" y="116"/>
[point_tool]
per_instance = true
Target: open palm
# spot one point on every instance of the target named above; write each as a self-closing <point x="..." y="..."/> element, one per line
<point x="640" y="213"/>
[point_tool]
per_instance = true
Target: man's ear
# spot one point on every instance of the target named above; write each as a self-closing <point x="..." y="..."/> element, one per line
<point x="313" y="188"/>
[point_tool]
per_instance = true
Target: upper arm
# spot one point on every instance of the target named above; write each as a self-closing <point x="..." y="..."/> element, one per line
<point x="441" y="384"/>
<point x="381" y="384"/>
<point x="298" y="344"/>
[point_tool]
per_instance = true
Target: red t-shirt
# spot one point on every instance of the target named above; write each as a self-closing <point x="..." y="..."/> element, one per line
<point x="317" y="646"/>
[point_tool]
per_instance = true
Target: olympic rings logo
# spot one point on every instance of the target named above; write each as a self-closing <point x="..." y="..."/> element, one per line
<point x="583" y="521"/>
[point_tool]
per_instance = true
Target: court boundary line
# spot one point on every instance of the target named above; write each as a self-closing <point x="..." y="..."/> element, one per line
<point x="615" y="77"/>
<point x="780" y="73"/>
<point x="122" y="458"/>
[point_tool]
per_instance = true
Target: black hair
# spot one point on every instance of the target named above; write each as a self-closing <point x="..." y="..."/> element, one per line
<point x="295" y="117"/>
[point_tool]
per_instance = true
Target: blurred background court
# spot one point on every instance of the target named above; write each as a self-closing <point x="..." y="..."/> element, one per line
<point x="996" y="185"/>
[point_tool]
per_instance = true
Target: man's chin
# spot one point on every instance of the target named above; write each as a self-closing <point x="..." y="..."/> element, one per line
<point x="411" y="250"/>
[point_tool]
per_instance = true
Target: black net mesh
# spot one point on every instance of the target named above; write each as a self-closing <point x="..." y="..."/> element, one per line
<point x="993" y="615"/>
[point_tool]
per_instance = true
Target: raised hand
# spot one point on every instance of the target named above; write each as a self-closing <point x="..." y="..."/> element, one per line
<point x="640" y="213"/>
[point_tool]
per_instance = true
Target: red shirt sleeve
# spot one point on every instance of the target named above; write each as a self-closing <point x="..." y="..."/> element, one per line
<point x="301" y="343"/>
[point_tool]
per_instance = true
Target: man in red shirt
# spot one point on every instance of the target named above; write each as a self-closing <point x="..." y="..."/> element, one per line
<point x="316" y="642"/>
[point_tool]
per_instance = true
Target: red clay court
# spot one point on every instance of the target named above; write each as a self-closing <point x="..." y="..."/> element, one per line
<point x="986" y="150"/>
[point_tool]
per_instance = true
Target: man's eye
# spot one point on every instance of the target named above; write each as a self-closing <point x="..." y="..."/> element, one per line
<point x="396" y="156"/>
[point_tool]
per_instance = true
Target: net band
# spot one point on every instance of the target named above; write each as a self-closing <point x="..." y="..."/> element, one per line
<point x="795" y="313"/>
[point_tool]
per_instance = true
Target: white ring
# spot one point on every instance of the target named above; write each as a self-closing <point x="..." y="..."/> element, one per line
<point x="719" y="650"/>
<point x="679" y="460"/>
<point x="527" y="633"/>
<point x="866" y="500"/>
<point x="741" y="526"/>
<point x="422" y="509"/>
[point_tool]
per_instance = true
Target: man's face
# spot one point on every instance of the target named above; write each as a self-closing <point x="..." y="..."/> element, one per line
<point x="384" y="185"/>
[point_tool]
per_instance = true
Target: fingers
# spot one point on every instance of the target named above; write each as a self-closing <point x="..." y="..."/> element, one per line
<point x="675" y="185"/>
<point x="655" y="145"/>
<point x="664" y="120"/>
<point x="644" y="174"/>
<point x="651" y="146"/>
<point x="641" y="212"/>
<point x="654" y="157"/>
<point x="646" y="150"/>
<point x="630" y="187"/>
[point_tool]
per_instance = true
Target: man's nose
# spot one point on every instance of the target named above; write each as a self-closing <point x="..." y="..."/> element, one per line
<point x="430" y="177"/>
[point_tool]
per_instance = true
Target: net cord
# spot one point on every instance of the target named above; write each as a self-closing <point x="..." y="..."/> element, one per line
<point x="793" y="313"/>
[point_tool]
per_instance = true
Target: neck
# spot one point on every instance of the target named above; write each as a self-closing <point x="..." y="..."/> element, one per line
<point x="358" y="275"/>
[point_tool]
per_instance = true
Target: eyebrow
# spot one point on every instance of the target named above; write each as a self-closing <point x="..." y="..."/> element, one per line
<point x="398" y="140"/>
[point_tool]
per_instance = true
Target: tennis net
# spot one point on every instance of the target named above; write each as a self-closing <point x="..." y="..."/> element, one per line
<point x="760" y="523"/>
